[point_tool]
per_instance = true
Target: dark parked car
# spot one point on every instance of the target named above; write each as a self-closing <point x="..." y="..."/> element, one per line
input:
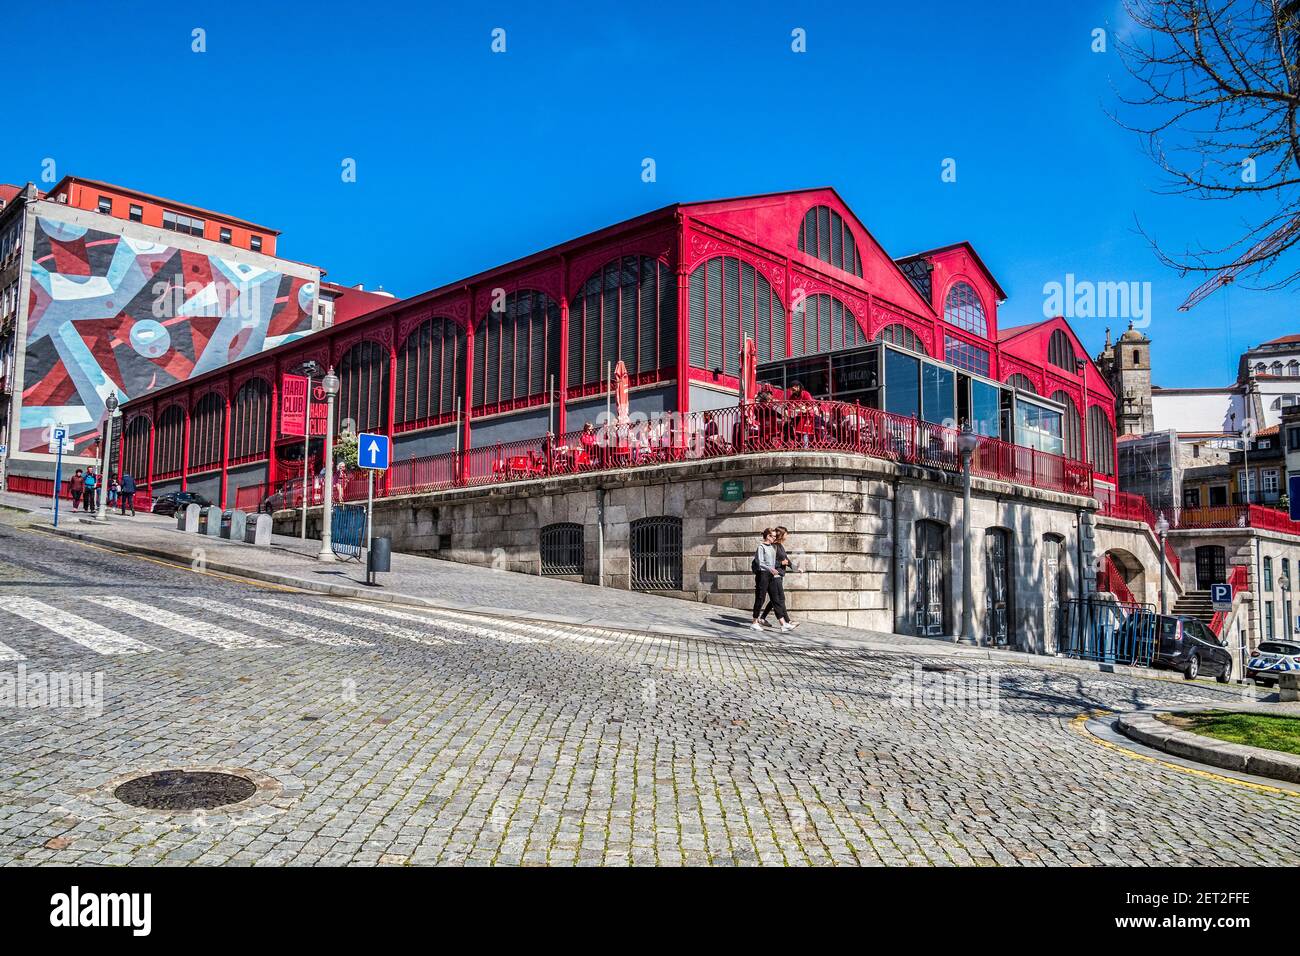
<point x="1187" y="645"/>
<point x="174" y="501"/>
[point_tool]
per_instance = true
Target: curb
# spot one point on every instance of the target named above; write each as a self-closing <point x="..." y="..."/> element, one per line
<point x="940" y="648"/>
<point x="1146" y="728"/>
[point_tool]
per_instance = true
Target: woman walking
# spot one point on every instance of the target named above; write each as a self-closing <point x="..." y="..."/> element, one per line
<point x="766" y="573"/>
<point x="784" y="566"/>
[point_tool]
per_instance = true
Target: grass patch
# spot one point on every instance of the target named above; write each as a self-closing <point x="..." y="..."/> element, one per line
<point x="1268" y="731"/>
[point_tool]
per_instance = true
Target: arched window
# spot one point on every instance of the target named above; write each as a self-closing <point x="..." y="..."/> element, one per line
<point x="726" y="297"/>
<point x="899" y="334"/>
<point x="1260" y="367"/>
<point x="516" y="350"/>
<point x="825" y="235"/>
<point x="1275" y="368"/>
<point x="1293" y="368"/>
<point x="1101" y="441"/>
<point x="627" y="310"/>
<point x="1021" y="381"/>
<point x="1071" y="426"/>
<point x="136" y="436"/>
<point x="207" y="429"/>
<point x="1060" y="352"/>
<point x="823" y="323"/>
<point x="169" y="443"/>
<point x="362" y="404"/>
<point x="430" y="373"/>
<point x="963" y="309"/>
<point x="250" y="421"/>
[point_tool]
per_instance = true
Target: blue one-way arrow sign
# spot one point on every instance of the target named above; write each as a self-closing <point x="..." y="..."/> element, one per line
<point x="372" y="451"/>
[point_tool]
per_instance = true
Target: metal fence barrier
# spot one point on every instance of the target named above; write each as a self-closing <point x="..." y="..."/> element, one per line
<point x="348" y="530"/>
<point x="1114" y="632"/>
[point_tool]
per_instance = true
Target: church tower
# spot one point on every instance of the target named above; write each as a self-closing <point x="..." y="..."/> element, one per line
<point x="1127" y="367"/>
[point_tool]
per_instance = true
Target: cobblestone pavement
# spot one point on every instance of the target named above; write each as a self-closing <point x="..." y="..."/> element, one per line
<point x="389" y="735"/>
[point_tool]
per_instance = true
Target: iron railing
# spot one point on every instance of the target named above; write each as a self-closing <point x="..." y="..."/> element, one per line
<point x="562" y="548"/>
<point x="1113" y="632"/>
<point x="657" y="554"/>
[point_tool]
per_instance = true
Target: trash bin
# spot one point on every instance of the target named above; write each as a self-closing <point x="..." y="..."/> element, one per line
<point x="380" y="556"/>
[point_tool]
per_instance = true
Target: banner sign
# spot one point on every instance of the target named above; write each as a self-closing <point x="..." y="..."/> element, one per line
<point x="293" y="405"/>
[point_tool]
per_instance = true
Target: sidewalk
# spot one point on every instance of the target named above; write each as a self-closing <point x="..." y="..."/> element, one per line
<point x="430" y="582"/>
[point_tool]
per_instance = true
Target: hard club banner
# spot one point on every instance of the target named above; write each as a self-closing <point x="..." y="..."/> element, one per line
<point x="293" y="406"/>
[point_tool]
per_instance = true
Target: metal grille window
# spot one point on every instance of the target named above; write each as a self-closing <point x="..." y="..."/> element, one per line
<point x="731" y="300"/>
<point x="1022" y="382"/>
<point x="1070" y="426"/>
<point x="628" y="311"/>
<point x="207" y="428"/>
<point x="963" y="309"/>
<point x="657" y="554"/>
<point x="825" y="235"/>
<point x="430" y="372"/>
<point x="900" y="335"/>
<point x="169" y="443"/>
<point x="250" y="415"/>
<point x="517" y="350"/>
<point x="1101" y="441"/>
<point x="136" y="436"/>
<point x="363" y="388"/>
<point x="562" y="549"/>
<point x="1060" y="352"/>
<point x="964" y="355"/>
<point x="822" y="323"/>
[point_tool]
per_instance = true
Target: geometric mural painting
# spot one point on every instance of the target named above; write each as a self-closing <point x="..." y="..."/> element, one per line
<point x="109" y="314"/>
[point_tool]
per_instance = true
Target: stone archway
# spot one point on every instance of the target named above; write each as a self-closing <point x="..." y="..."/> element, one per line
<point x="1131" y="572"/>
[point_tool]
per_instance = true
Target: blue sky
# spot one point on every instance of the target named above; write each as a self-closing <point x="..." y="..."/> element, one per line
<point x="466" y="158"/>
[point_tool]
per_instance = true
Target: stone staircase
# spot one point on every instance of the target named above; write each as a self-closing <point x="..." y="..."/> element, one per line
<point x="1195" y="604"/>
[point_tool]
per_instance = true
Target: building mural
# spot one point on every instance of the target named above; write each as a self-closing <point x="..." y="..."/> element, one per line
<point x="112" y="314"/>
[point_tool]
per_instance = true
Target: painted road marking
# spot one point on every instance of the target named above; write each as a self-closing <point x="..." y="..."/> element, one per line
<point x="202" y="630"/>
<point x="381" y="627"/>
<point x="293" y="628"/>
<point x="88" y="634"/>
<point x="7" y="653"/>
<point x="548" y="630"/>
<point x="432" y="620"/>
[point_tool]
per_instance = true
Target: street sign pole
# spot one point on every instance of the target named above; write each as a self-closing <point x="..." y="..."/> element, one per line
<point x="370" y="510"/>
<point x="374" y="453"/>
<point x="58" y="480"/>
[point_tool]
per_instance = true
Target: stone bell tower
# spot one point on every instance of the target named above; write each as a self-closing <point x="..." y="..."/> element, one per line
<point x="1127" y="367"/>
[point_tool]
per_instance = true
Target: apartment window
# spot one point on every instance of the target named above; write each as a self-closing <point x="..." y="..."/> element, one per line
<point x="177" y="222"/>
<point x="1269" y="481"/>
<point x="1268" y="619"/>
<point x="255" y="243"/>
<point x="1268" y="576"/>
<point x="225" y="236"/>
<point x="106" y="205"/>
<point x="1191" y="497"/>
<point x="1293" y="439"/>
<point x="137" y="213"/>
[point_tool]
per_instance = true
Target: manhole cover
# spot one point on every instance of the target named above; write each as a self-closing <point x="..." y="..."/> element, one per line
<point x="185" y="790"/>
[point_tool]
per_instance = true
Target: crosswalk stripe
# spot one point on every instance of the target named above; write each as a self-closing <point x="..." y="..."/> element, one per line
<point x="484" y="629"/>
<point x="89" y="634"/>
<point x="7" y="653"/>
<point x="381" y="627"/>
<point x="547" y="630"/>
<point x="284" y="625"/>
<point x="160" y="617"/>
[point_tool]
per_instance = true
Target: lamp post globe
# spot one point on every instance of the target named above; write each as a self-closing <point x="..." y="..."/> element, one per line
<point x="330" y="385"/>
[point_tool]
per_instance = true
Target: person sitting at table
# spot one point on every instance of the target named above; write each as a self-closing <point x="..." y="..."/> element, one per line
<point x="713" y="443"/>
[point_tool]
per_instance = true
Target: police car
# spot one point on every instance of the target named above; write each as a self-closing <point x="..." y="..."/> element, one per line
<point x="1272" y="659"/>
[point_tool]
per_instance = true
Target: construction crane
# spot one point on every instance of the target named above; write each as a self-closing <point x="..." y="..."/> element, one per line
<point x="1256" y="253"/>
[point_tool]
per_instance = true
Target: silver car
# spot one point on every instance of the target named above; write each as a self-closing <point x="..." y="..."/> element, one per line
<point x="1271" y="660"/>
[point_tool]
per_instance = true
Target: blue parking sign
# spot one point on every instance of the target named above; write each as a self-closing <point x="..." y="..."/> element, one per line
<point x="1220" y="593"/>
<point x="372" y="451"/>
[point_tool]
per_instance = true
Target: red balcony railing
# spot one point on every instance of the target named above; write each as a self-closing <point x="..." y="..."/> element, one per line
<point x="1236" y="516"/>
<point x="1111" y="579"/>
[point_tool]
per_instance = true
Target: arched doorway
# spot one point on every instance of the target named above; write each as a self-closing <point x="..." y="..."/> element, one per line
<point x="930" y="593"/>
<point x="1211" y="566"/>
<point x="1124" y="576"/>
<point x="1054" y="590"/>
<point x="998" y="612"/>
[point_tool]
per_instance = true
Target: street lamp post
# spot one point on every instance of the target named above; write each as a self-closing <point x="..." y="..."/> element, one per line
<point x="101" y="490"/>
<point x="967" y="442"/>
<point x="1162" y="529"/>
<point x="330" y="383"/>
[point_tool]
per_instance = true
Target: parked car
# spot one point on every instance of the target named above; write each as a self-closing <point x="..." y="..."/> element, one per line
<point x="1273" y="659"/>
<point x="288" y="495"/>
<point x="1187" y="645"/>
<point x="174" y="501"/>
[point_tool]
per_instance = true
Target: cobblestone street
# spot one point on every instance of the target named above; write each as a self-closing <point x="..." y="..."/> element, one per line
<point x="395" y="735"/>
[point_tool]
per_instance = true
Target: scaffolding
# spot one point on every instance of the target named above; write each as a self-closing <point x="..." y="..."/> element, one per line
<point x="1150" y="466"/>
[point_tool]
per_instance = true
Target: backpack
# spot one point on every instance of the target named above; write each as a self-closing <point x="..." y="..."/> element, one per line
<point x="90" y="481"/>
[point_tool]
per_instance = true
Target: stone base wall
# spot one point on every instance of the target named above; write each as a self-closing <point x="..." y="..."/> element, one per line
<point x="853" y="525"/>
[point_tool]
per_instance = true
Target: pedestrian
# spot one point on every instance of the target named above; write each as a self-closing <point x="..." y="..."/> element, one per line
<point x="89" y="486"/>
<point x="77" y="489"/>
<point x="766" y="572"/>
<point x="785" y="566"/>
<point x="126" y="494"/>
<point x="112" y="490"/>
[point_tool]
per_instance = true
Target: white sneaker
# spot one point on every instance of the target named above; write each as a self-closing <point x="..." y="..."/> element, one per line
<point x="789" y="626"/>
<point x="756" y="626"/>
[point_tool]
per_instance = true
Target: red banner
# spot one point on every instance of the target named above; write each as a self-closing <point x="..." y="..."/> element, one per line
<point x="293" y="405"/>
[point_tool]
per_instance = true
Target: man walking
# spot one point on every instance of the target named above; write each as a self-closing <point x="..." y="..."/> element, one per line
<point x="766" y="573"/>
<point x="77" y="489"/>
<point x="88" y="494"/>
<point x="126" y="495"/>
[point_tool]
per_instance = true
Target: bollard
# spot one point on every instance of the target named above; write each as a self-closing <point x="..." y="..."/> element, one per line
<point x="238" y="523"/>
<point x="190" y="518"/>
<point x="211" y="522"/>
<point x="259" y="531"/>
